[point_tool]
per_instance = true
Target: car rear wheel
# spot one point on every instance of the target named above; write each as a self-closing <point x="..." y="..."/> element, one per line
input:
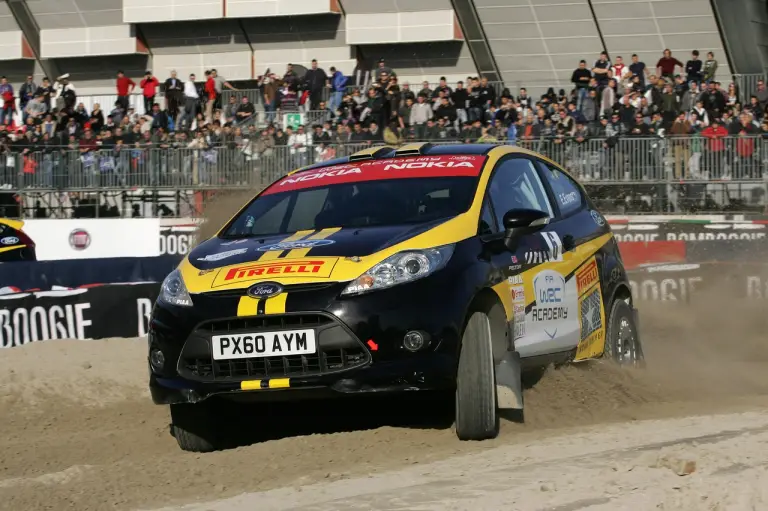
<point x="476" y="411"/>
<point x="622" y="344"/>
<point x="193" y="426"/>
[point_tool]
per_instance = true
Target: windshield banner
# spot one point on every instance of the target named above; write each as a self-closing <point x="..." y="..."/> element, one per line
<point x="462" y="165"/>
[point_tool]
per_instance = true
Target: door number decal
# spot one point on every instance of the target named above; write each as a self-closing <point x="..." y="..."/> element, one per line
<point x="554" y="252"/>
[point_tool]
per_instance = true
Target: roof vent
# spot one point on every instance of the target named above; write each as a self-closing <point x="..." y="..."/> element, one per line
<point x="413" y="149"/>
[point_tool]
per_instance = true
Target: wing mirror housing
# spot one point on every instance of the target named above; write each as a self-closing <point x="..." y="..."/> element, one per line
<point x="519" y="222"/>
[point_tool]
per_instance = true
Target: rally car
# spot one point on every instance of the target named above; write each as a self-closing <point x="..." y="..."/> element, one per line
<point x="15" y="244"/>
<point x="418" y="268"/>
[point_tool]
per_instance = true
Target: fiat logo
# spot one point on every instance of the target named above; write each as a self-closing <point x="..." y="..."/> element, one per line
<point x="79" y="239"/>
<point x="265" y="290"/>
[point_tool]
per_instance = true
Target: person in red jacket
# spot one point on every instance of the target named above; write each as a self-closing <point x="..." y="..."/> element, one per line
<point x="746" y="133"/>
<point x="149" y="88"/>
<point x="125" y="87"/>
<point x="210" y="92"/>
<point x="716" y="134"/>
<point x="9" y="102"/>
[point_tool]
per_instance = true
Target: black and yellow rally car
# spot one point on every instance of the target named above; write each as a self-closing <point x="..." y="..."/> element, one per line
<point x="418" y="268"/>
<point x="15" y="244"/>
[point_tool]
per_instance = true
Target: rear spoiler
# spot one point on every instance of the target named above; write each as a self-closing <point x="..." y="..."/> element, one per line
<point x="14" y="224"/>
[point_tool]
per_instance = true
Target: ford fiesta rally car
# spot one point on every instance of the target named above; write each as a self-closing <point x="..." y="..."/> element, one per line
<point x="419" y="268"/>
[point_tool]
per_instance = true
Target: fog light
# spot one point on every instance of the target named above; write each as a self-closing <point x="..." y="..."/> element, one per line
<point x="413" y="341"/>
<point x="157" y="359"/>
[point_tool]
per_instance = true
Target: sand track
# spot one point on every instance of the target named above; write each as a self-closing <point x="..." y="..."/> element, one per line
<point x="79" y="430"/>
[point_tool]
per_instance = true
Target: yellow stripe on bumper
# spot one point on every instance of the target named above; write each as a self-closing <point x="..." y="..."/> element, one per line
<point x="276" y="304"/>
<point x="276" y="383"/>
<point x="247" y="306"/>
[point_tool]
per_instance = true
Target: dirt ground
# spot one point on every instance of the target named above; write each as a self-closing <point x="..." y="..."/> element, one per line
<point x="80" y="432"/>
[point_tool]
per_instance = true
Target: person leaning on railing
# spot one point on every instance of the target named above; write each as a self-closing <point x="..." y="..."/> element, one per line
<point x="680" y="132"/>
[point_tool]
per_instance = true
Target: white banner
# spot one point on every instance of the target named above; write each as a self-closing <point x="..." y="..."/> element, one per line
<point x="94" y="238"/>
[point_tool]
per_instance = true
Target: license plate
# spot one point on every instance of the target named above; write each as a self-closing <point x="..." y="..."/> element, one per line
<point x="263" y="344"/>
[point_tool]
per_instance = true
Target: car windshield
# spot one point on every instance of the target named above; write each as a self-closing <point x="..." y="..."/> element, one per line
<point x="356" y="204"/>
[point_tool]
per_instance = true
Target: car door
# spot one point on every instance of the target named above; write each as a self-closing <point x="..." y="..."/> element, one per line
<point x="585" y="231"/>
<point x="543" y="309"/>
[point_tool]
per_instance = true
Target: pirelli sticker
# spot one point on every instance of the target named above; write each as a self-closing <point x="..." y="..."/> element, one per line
<point x="311" y="267"/>
<point x="591" y="311"/>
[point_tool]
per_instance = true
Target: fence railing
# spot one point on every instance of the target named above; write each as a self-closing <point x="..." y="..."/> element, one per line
<point x="255" y="163"/>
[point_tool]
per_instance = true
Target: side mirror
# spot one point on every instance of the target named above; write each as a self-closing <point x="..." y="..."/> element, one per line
<point x="518" y="222"/>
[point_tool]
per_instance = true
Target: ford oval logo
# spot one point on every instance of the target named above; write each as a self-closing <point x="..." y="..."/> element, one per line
<point x="265" y="290"/>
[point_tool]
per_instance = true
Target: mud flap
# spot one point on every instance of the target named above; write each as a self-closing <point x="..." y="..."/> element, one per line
<point x="638" y="341"/>
<point x="509" y="384"/>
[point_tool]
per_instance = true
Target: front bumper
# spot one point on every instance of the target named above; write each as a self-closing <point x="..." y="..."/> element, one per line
<point x="360" y="346"/>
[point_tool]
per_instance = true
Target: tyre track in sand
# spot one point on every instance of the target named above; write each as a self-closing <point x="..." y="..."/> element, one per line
<point x="79" y="430"/>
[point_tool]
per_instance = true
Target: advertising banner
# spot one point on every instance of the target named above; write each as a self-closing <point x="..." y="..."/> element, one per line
<point x="646" y="232"/>
<point x="57" y="239"/>
<point x="46" y="275"/>
<point x="95" y="313"/>
<point x="177" y="239"/>
<point x="680" y="282"/>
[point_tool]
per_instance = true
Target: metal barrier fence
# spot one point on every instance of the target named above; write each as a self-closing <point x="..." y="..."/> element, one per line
<point x="591" y="160"/>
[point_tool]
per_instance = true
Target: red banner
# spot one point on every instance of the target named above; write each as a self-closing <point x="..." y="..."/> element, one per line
<point x="640" y="253"/>
<point x="374" y="170"/>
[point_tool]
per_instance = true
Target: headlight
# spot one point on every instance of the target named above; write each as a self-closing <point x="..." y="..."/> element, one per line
<point x="400" y="268"/>
<point x="173" y="290"/>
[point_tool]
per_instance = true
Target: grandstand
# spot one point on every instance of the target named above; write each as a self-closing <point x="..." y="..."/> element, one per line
<point x="246" y="127"/>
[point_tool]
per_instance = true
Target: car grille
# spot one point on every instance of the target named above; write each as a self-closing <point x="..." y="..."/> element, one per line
<point x="292" y="288"/>
<point x="337" y="350"/>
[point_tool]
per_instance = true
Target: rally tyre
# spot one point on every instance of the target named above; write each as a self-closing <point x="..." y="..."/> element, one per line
<point x="476" y="411"/>
<point x="622" y="344"/>
<point x="193" y="427"/>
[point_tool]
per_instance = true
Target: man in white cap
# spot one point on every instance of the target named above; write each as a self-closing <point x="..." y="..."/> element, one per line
<point x="66" y="95"/>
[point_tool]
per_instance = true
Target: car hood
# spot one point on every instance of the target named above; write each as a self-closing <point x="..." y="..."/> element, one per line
<point x="306" y="256"/>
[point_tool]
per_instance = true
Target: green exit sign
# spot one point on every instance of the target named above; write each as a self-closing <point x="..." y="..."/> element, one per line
<point x="294" y="120"/>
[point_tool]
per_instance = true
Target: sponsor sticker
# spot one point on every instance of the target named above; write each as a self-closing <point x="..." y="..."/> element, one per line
<point x="302" y="268"/>
<point x="518" y="294"/>
<point x="292" y="245"/>
<point x="9" y="240"/>
<point x="598" y="218"/>
<point x="591" y="325"/>
<point x="234" y="242"/>
<point x="223" y="255"/>
<point x="519" y="322"/>
<point x="515" y="279"/>
<point x="589" y="308"/>
<point x="390" y="168"/>
<point x="549" y="288"/>
<point x="568" y="198"/>
<point x="587" y="276"/>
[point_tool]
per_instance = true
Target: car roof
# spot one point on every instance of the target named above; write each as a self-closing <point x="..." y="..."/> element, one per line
<point x="421" y="149"/>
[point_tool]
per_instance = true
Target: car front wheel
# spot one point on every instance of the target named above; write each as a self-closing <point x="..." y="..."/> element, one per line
<point x="193" y="427"/>
<point x="476" y="411"/>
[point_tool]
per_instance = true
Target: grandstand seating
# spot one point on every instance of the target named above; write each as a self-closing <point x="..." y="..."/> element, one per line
<point x="535" y="44"/>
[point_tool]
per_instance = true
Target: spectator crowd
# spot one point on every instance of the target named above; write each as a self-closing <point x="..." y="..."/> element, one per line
<point x="610" y="100"/>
